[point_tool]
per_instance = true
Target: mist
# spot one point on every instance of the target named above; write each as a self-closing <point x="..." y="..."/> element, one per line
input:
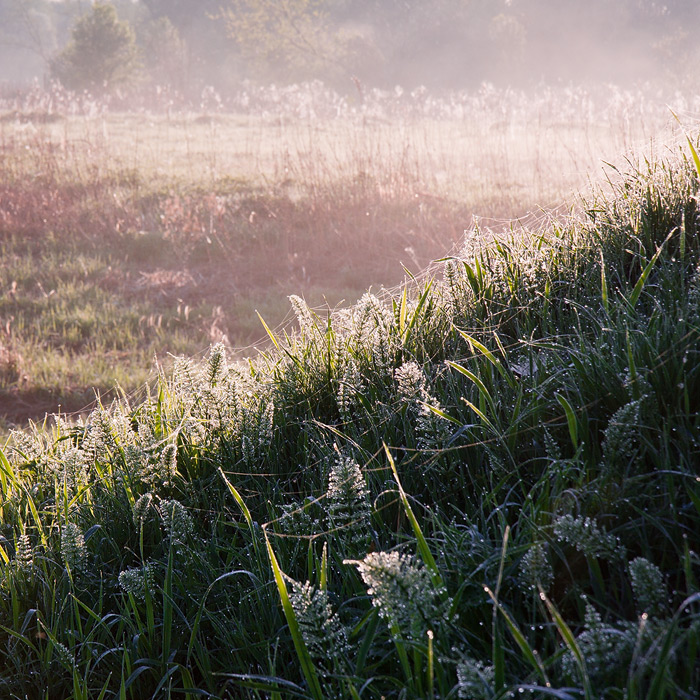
<point x="206" y="159"/>
<point x="442" y="44"/>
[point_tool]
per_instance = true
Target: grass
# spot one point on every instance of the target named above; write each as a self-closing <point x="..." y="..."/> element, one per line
<point x="481" y="485"/>
<point x="129" y="236"/>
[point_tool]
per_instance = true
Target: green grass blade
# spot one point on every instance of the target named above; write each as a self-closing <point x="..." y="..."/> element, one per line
<point x="441" y="413"/>
<point x="402" y="312"/>
<point x="413" y="322"/>
<point x="370" y="633"/>
<point x="168" y="608"/>
<point x="479" y="383"/>
<point x="657" y="686"/>
<point x="570" y="419"/>
<point x="693" y="152"/>
<point x="307" y="666"/>
<point x="6" y="473"/>
<point x="270" y="334"/>
<point x="239" y="500"/>
<point x="483" y="417"/>
<point x="527" y="651"/>
<point x="474" y="343"/>
<point x="422" y="544"/>
<point x="639" y="287"/>
<point x="604" y="285"/>
<point x="570" y="641"/>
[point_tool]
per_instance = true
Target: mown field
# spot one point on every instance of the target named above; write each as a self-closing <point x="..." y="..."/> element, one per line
<point x="129" y="237"/>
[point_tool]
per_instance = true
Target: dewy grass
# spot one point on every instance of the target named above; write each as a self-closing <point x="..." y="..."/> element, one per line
<point x="129" y="236"/>
<point x="133" y="542"/>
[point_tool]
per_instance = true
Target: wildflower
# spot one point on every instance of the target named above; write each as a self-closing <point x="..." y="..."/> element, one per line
<point x="73" y="550"/>
<point x="303" y="314"/>
<point x="176" y="521"/>
<point x="402" y="590"/>
<point x="216" y="366"/>
<point x="24" y="554"/>
<point x="452" y="287"/>
<point x="324" y="634"/>
<point x="25" y="446"/>
<point x="411" y="383"/>
<point x="349" y="508"/>
<point x="368" y="314"/>
<point x="266" y="425"/>
<point x="167" y="465"/>
<point x="621" y="441"/>
<point x="247" y="450"/>
<point x="372" y="323"/>
<point x="474" y="679"/>
<point x="535" y="568"/>
<point x="72" y="468"/>
<point x="141" y="509"/>
<point x="587" y="537"/>
<point x="63" y="655"/>
<point x="351" y="386"/>
<point x="412" y="387"/>
<point x="296" y="519"/>
<point x="605" y="649"/>
<point x="138" y="580"/>
<point x="647" y="585"/>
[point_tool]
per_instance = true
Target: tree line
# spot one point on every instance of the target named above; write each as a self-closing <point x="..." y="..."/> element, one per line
<point x="186" y="44"/>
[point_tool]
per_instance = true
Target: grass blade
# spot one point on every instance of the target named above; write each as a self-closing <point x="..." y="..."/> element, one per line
<point x="527" y="651"/>
<point x="570" y="641"/>
<point x="604" y="285"/>
<point x="474" y="343"/>
<point x="239" y="500"/>
<point x="268" y="331"/>
<point x="307" y="666"/>
<point x="422" y="544"/>
<point x="480" y="384"/>
<point x="639" y="287"/>
<point x="570" y="419"/>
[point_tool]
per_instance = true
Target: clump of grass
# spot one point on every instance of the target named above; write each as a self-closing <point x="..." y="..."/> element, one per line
<point x="483" y="483"/>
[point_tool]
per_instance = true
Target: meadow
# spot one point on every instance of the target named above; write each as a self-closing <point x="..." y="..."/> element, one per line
<point x="480" y="484"/>
<point x="129" y="236"/>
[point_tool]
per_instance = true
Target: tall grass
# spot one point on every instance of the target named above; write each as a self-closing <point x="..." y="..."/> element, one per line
<point x="482" y="486"/>
<point x="127" y="235"/>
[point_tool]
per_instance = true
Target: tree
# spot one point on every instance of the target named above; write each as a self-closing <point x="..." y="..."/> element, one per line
<point x="166" y="52"/>
<point x="291" y="39"/>
<point x="102" y="54"/>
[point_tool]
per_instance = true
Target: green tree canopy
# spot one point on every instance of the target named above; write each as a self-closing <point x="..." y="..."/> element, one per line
<point x="102" y="54"/>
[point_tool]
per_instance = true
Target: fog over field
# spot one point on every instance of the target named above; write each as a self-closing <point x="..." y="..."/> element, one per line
<point x="205" y="159"/>
<point x="188" y="44"/>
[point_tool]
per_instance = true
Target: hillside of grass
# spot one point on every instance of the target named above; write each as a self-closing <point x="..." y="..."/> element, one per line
<point x="129" y="236"/>
<point x="483" y="486"/>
